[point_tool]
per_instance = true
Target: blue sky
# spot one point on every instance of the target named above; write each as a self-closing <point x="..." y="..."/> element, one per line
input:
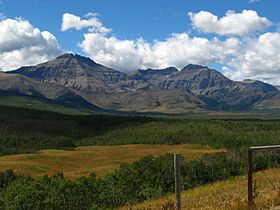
<point x="130" y="19"/>
<point x="154" y="21"/>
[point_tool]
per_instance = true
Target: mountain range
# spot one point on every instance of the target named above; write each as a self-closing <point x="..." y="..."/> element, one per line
<point x="79" y="81"/>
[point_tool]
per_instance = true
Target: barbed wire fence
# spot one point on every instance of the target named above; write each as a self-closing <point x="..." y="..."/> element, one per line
<point x="230" y="194"/>
<point x="264" y="188"/>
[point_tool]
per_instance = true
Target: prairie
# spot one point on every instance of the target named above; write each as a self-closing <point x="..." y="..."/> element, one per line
<point x="98" y="159"/>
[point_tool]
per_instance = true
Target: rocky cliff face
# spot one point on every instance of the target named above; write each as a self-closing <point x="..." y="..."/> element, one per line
<point x="75" y="72"/>
<point x="148" y="73"/>
<point x="166" y="90"/>
<point x="198" y="79"/>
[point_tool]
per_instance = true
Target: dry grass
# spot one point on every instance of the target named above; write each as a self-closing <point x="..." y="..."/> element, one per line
<point x="84" y="160"/>
<point x="231" y="194"/>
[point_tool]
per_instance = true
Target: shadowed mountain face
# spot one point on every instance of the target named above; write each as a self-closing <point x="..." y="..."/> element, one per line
<point x="155" y="73"/>
<point x="259" y="85"/>
<point x="166" y="90"/>
<point x="24" y="86"/>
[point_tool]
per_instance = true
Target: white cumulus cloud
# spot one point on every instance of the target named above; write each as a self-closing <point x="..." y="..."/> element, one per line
<point x="22" y="44"/>
<point x="70" y="21"/>
<point x="244" y="23"/>
<point x="177" y="51"/>
<point x="259" y="59"/>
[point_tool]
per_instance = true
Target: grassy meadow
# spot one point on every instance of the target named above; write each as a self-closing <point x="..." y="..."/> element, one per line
<point x="230" y="194"/>
<point x="82" y="161"/>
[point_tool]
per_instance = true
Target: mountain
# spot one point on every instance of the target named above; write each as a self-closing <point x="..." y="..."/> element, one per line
<point x="96" y="83"/>
<point x="103" y="86"/>
<point x="216" y="90"/>
<point x="75" y="72"/>
<point x="168" y="90"/>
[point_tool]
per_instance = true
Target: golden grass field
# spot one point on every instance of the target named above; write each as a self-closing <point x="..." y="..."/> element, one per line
<point x="231" y="195"/>
<point x="84" y="160"/>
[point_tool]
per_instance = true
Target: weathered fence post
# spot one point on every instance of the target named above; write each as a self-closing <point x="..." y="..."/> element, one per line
<point x="177" y="173"/>
<point x="251" y="151"/>
<point x="250" y="178"/>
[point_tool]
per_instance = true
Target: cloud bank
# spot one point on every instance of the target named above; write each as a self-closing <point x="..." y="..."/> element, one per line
<point x="178" y="50"/>
<point x="243" y="54"/>
<point x="22" y="44"/>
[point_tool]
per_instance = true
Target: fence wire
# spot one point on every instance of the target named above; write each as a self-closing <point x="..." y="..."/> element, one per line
<point x="229" y="193"/>
<point x="267" y="182"/>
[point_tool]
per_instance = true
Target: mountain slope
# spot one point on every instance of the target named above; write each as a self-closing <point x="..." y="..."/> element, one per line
<point x="166" y="90"/>
<point x="14" y="99"/>
<point x="259" y="85"/>
<point x="19" y="85"/>
<point x="271" y="103"/>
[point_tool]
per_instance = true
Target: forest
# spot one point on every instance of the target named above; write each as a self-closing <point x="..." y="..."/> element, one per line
<point x="27" y="131"/>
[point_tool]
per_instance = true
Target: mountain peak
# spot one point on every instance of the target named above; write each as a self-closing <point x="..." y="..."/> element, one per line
<point x="249" y="80"/>
<point x="67" y="55"/>
<point x="166" y="71"/>
<point x="78" y="57"/>
<point x="193" y="67"/>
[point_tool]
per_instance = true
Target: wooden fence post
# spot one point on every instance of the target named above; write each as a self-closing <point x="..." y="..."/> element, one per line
<point x="177" y="173"/>
<point x="250" y="169"/>
<point x="250" y="179"/>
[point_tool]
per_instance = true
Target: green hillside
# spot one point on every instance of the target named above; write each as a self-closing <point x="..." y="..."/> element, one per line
<point x="30" y="102"/>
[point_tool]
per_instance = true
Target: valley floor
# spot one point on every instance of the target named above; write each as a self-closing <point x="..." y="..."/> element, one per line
<point x="230" y="194"/>
<point x="98" y="159"/>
